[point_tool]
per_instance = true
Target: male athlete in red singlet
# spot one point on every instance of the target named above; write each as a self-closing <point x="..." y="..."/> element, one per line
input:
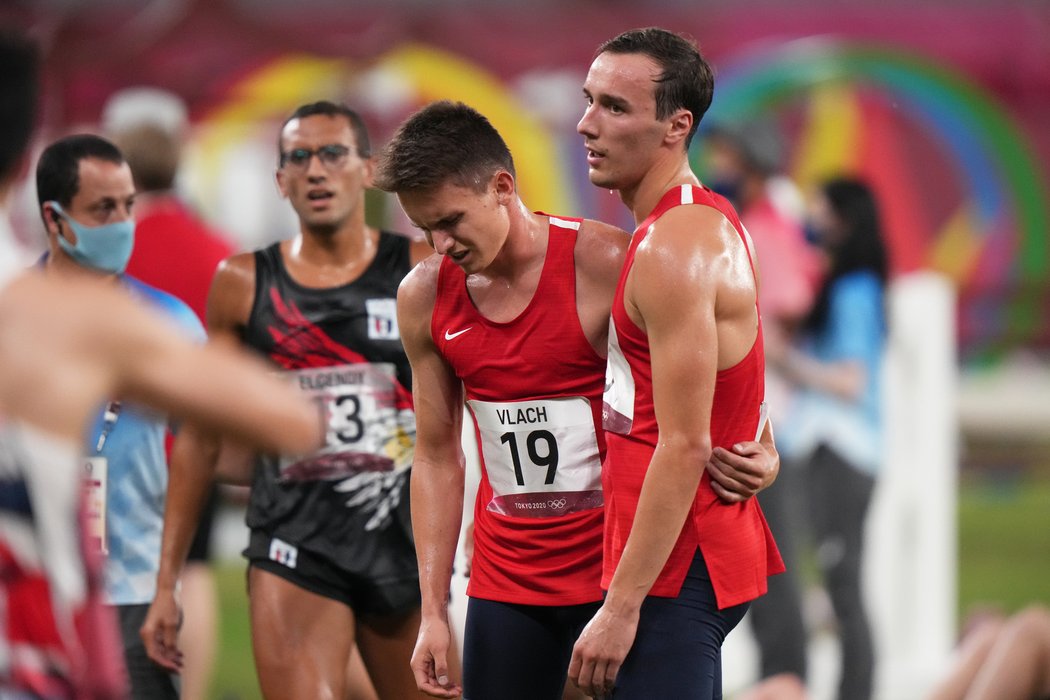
<point x="513" y="319"/>
<point x="685" y="375"/>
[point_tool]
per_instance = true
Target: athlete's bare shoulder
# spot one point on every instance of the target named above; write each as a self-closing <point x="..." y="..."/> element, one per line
<point x="600" y="251"/>
<point x="698" y="233"/>
<point x="232" y="294"/>
<point x="695" y="248"/>
<point x="236" y="271"/>
<point x="419" y="289"/>
<point x="64" y="342"/>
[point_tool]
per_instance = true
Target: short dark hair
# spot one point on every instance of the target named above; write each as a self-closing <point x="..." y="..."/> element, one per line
<point x="686" y="79"/>
<point x="19" y="66"/>
<point x="330" y="109"/>
<point x="58" y="170"/>
<point x="444" y="141"/>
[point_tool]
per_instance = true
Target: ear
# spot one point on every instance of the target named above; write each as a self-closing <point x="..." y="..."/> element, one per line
<point x="679" y="125"/>
<point x="57" y="229"/>
<point x="279" y="178"/>
<point x="52" y="221"/>
<point x="369" y="174"/>
<point x="505" y="187"/>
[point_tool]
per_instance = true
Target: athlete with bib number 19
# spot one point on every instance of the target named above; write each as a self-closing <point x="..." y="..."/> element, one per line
<point x="511" y="317"/>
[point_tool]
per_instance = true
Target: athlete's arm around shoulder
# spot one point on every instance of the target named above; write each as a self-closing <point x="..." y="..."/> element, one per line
<point x="437" y="474"/>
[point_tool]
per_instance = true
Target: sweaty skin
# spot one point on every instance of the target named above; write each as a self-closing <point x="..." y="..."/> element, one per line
<point x="67" y="343"/>
<point x="630" y="150"/>
<point x="501" y="246"/>
<point x="302" y="642"/>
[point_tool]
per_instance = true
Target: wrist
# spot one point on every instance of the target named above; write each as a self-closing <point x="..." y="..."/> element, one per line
<point x="622" y="603"/>
<point x="434" y="610"/>
<point x="167" y="580"/>
<point x="165" y="587"/>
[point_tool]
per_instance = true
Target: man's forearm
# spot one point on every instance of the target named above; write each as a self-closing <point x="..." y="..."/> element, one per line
<point x="437" y="513"/>
<point x="193" y="458"/>
<point x="666" y="498"/>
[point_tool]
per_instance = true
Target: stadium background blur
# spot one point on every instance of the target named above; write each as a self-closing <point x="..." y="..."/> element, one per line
<point x="943" y="106"/>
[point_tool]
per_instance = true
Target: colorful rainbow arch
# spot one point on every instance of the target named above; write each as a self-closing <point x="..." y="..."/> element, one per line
<point x="1006" y="219"/>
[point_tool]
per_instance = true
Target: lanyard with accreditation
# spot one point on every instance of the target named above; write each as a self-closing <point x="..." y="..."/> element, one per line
<point x="95" y="475"/>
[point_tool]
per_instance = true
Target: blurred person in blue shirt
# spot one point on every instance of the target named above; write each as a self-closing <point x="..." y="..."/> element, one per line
<point x="835" y="428"/>
<point x="86" y="194"/>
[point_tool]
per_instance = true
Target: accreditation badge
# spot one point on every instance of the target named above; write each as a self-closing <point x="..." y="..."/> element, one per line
<point x="95" y="470"/>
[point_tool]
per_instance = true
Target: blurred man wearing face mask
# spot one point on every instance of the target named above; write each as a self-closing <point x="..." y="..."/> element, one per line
<point x="86" y="194"/>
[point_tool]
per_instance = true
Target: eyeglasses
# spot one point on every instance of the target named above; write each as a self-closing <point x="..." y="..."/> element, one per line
<point x="332" y="155"/>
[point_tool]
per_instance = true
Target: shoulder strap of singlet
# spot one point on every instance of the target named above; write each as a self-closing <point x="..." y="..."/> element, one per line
<point x="559" y="267"/>
<point x="267" y="261"/>
<point x="395" y="247"/>
<point x="691" y="194"/>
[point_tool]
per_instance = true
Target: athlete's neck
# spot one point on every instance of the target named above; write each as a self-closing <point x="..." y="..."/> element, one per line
<point x="524" y="247"/>
<point x="665" y="174"/>
<point x="344" y="246"/>
<point x="322" y="262"/>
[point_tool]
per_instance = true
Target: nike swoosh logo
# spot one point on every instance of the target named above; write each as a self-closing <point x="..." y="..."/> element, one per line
<point x="450" y="336"/>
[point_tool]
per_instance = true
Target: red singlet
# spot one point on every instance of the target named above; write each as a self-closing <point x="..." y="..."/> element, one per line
<point x="734" y="538"/>
<point x="533" y="386"/>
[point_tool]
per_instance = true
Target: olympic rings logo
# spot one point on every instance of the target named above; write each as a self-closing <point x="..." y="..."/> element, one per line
<point x="556" y="503"/>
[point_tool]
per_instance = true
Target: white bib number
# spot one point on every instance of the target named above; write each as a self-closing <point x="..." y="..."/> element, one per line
<point x="541" y="456"/>
<point x="366" y="428"/>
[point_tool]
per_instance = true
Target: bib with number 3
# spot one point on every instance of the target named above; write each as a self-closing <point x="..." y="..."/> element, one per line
<point x="541" y="456"/>
<point x="367" y="428"/>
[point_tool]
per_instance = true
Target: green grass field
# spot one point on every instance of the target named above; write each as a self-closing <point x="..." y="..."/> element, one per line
<point x="1004" y="560"/>
<point x="1004" y="541"/>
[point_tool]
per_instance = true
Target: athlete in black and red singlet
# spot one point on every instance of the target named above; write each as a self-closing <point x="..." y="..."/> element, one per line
<point x="347" y="503"/>
<point x="331" y="558"/>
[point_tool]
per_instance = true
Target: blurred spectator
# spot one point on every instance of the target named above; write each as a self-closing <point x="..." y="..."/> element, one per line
<point x="177" y="252"/>
<point x="1001" y="658"/>
<point x="85" y="192"/>
<point x="834" y="427"/>
<point x="744" y="163"/>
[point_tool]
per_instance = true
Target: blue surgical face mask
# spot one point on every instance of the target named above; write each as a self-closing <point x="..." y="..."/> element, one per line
<point x="105" y="248"/>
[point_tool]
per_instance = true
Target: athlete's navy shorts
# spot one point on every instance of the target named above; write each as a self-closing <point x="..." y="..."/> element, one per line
<point x="519" y="652"/>
<point x="677" y="652"/>
<point x="364" y="594"/>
